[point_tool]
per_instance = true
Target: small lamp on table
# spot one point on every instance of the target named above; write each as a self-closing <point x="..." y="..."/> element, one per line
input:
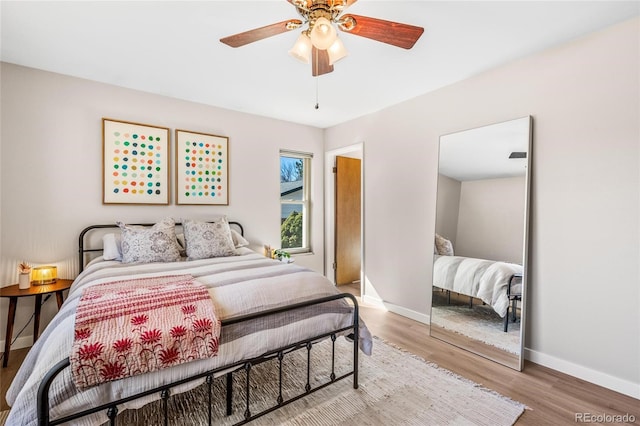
<point x="42" y="275"/>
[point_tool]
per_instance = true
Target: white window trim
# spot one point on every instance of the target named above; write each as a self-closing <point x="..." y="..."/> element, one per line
<point x="305" y="202"/>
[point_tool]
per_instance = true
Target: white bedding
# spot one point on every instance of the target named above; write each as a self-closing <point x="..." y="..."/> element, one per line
<point x="487" y="280"/>
<point x="238" y="285"/>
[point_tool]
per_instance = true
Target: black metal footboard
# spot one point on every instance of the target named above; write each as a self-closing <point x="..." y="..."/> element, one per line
<point x="164" y="391"/>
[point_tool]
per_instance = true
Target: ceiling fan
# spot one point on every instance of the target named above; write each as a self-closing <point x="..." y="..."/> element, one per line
<point x="319" y="42"/>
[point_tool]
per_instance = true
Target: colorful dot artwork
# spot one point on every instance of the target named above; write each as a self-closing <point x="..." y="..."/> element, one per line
<point x="202" y="169"/>
<point x="135" y="163"/>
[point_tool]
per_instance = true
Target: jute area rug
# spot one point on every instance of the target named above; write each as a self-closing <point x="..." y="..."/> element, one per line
<point x="396" y="388"/>
<point x="480" y="323"/>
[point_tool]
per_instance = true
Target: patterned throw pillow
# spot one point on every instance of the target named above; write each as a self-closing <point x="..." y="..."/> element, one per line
<point x="444" y="246"/>
<point x="155" y="244"/>
<point x="205" y="240"/>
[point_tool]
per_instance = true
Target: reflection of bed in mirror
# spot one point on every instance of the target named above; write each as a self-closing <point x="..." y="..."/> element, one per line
<point x="496" y="283"/>
<point x="479" y="290"/>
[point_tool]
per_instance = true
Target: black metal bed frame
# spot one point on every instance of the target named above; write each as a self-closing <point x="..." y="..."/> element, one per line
<point x="513" y="299"/>
<point x="165" y="390"/>
<point x="511" y="307"/>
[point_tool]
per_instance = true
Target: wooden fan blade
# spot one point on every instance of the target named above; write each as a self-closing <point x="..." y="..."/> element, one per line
<point x="250" y="36"/>
<point x="320" y="62"/>
<point x="394" y="33"/>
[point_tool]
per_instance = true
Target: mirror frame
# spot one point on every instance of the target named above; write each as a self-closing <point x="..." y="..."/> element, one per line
<point x="500" y="356"/>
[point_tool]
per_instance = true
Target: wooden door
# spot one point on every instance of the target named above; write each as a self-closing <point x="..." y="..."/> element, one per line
<point x="347" y="220"/>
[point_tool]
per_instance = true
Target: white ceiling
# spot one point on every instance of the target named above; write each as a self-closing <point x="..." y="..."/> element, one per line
<point x="173" y="49"/>
<point x="483" y="152"/>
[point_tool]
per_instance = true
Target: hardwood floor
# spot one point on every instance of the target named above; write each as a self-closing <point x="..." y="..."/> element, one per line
<point x="7" y="374"/>
<point x="553" y="398"/>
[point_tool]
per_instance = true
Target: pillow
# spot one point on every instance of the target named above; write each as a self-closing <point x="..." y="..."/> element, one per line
<point x="112" y="247"/>
<point x="155" y="244"/>
<point x="238" y="239"/>
<point x="444" y="246"/>
<point x="182" y="244"/>
<point x="205" y="240"/>
<point x="180" y="238"/>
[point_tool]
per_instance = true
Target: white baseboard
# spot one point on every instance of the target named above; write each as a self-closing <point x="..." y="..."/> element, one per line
<point x="416" y="316"/>
<point x="592" y="376"/>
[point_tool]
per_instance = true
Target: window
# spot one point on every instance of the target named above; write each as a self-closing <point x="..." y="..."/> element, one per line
<point x="295" y="201"/>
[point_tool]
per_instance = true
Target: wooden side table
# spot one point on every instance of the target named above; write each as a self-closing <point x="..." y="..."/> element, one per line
<point x="13" y="293"/>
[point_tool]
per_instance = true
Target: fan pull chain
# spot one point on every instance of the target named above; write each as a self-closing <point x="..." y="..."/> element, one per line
<point x="317" y="104"/>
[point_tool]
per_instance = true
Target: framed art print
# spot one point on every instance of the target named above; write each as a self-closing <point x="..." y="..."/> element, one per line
<point x="135" y="163"/>
<point x="202" y="168"/>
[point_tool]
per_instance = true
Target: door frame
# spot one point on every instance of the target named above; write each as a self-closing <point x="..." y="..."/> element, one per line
<point x="357" y="151"/>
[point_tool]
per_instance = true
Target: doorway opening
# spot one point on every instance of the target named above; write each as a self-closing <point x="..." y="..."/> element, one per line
<point x="344" y="207"/>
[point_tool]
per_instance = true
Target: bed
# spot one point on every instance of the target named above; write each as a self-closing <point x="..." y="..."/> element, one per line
<point x="495" y="283"/>
<point x="266" y="309"/>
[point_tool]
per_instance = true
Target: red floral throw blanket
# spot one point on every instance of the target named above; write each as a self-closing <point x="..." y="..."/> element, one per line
<point x="130" y="327"/>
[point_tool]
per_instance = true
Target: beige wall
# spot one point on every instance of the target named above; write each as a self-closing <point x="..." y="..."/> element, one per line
<point x="584" y="293"/>
<point x="448" y="208"/>
<point x="491" y="219"/>
<point x="51" y="182"/>
<point x="482" y="218"/>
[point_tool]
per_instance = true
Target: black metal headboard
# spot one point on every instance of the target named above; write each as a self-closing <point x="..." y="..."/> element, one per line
<point x="81" y="239"/>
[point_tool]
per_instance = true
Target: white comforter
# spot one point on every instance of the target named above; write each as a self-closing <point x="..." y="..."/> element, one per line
<point x="485" y="279"/>
<point x="238" y="285"/>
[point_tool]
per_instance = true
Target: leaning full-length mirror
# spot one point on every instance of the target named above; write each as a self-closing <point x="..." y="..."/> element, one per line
<point x="480" y="247"/>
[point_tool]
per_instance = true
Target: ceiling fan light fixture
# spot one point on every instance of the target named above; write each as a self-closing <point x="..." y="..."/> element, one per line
<point x="347" y="23"/>
<point x="323" y="34"/>
<point x="301" y="50"/>
<point x="336" y="51"/>
<point x="319" y="44"/>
